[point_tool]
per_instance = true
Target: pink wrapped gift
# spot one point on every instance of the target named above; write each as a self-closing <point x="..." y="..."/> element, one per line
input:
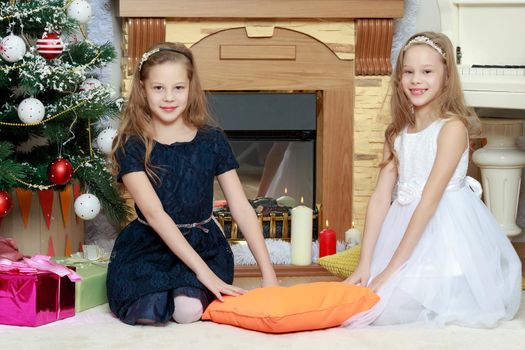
<point x="36" y="291"/>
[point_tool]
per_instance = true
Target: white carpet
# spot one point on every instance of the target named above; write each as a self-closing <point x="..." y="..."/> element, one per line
<point x="96" y="329"/>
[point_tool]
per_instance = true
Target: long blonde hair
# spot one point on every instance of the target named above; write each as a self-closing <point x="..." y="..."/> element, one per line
<point x="136" y="117"/>
<point x="450" y="102"/>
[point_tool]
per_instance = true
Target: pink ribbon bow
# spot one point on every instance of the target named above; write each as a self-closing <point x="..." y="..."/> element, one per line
<point x="39" y="263"/>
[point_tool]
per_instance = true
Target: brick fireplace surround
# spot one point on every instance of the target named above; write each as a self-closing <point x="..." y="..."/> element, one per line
<point x="339" y="48"/>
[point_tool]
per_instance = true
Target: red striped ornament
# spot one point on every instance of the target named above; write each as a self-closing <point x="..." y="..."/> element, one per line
<point x="50" y="45"/>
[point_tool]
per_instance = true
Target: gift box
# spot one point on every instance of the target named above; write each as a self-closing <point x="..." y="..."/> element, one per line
<point x="91" y="291"/>
<point x="92" y="265"/>
<point x="35" y="292"/>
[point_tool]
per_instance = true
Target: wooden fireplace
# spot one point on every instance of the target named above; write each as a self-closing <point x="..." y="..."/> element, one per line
<point x="338" y="48"/>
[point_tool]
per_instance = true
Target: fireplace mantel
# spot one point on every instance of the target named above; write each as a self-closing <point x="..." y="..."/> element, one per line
<point x="332" y="9"/>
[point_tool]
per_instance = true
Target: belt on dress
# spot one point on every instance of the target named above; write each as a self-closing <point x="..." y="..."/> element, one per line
<point x="407" y="192"/>
<point x="195" y="224"/>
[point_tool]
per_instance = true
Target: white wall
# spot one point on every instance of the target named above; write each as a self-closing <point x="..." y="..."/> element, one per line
<point x="427" y="17"/>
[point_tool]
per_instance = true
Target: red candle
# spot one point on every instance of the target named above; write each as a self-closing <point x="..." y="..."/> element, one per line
<point x="327" y="242"/>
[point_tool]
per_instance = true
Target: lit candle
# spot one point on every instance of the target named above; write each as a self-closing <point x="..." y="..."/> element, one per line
<point x="286" y="200"/>
<point x="353" y="236"/>
<point x="327" y="242"/>
<point x="301" y="240"/>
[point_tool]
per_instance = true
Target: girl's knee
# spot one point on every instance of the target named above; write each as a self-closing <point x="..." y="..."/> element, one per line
<point x="187" y="310"/>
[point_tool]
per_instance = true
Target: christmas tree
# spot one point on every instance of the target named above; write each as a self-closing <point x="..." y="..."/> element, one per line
<point x="53" y="110"/>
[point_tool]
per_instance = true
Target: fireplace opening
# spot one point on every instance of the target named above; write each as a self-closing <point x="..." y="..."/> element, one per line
<point x="273" y="136"/>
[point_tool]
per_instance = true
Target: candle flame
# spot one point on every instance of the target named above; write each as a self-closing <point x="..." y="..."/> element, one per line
<point x="302" y="200"/>
<point x="326" y="223"/>
<point x="352" y="223"/>
<point x="286" y="190"/>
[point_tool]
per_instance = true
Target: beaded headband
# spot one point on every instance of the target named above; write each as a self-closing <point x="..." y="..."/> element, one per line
<point x="421" y="39"/>
<point x="151" y="52"/>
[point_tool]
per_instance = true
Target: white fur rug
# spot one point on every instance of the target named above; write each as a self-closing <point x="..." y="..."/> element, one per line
<point x="96" y="329"/>
<point x="279" y="251"/>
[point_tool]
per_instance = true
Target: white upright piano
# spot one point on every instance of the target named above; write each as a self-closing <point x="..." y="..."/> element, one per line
<point x="489" y="38"/>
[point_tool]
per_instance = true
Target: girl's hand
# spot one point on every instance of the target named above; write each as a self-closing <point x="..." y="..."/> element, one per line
<point x="379" y="280"/>
<point x="360" y="276"/>
<point x="270" y="281"/>
<point x="217" y="286"/>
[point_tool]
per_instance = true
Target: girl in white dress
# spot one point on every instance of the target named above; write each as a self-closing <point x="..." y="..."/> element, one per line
<point x="435" y="254"/>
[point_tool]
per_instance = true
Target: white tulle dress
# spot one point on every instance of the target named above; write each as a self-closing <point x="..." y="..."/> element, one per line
<point x="463" y="270"/>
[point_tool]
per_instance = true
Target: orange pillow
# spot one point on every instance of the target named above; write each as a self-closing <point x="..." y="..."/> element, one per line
<point x="290" y="309"/>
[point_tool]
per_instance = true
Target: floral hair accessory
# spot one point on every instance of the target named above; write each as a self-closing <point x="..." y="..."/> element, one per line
<point x="421" y="39"/>
<point x="151" y="52"/>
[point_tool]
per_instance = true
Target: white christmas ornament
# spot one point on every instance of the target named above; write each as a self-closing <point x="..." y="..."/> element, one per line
<point x="90" y="84"/>
<point x="105" y="140"/>
<point x="12" y="48"/>
<point x="87" y="206"/>
<point x="31" y="111"/>
<point x="79" y="10"/>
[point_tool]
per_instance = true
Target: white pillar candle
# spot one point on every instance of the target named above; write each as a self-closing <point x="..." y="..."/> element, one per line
<point x="352" y="236"/>
<point x="301" y="240"/>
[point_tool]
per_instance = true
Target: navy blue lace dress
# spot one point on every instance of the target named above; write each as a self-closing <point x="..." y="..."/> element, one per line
<point x="141" y="264"/>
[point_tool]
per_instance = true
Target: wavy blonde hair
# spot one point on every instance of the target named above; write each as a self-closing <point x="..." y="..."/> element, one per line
<point x="136" y="117"/>
<point x="450" y="102"/>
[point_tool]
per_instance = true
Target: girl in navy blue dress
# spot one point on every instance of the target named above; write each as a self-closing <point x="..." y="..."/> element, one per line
<point x="173" y="260"/>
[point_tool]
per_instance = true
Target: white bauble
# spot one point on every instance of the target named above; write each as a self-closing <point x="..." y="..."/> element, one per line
<point x="105" y="140"/>
<point x="90" y="84"/>
<point x="87" y="206"/>
<point x="31" y="111"/>
<point x="12" y="48"/>
<point x="80" y="10"/>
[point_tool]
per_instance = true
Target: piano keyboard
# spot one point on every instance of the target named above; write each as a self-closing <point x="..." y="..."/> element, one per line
<point x="492" y="78"/>
<point x="493" y="86"/>
<point x="480" y="70"/>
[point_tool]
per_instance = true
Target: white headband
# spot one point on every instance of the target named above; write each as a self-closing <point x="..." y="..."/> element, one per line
<point x="147" y="54"/>
<point x="421" y="39"/>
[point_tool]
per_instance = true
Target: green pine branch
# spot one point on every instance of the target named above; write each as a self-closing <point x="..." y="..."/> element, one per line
<point x="98" y="181"/>
<point x="36" y="16"/>
<point x="9" y="169"/>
